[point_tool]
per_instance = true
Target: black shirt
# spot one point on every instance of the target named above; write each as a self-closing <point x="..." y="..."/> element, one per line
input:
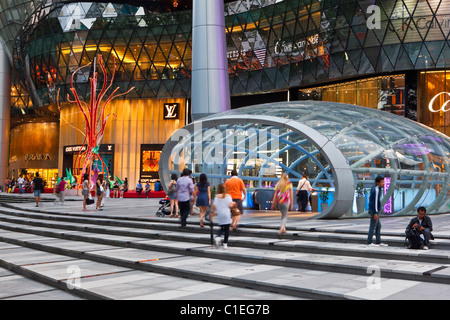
<point x="38" y="184"/>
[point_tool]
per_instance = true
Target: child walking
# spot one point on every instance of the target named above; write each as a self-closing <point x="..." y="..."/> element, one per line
<point x="222" y="204"/>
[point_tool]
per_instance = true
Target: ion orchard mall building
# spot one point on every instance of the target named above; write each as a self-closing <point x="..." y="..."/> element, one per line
<point x="309" y="62"/>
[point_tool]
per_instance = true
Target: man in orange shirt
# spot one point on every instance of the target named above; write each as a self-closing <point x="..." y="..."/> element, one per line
<point x="235" y="187"/>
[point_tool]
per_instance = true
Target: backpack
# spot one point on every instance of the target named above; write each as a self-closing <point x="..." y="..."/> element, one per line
<point x="413" y="240"/>
<point x="173" y="188"/>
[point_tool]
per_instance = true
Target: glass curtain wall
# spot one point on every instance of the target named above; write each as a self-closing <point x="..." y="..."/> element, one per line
<point x="383" y="93"/>
<point x="435" y="84"/>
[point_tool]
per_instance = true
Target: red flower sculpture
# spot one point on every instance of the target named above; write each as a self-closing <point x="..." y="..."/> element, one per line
<point x="94" y="114"/>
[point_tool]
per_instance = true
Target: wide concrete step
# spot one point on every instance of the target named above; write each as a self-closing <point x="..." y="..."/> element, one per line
<point x="127" y="273"/>
<point x="265" y="239"/>
<point x="105" y="276"/>
<point x="395" y="263"/>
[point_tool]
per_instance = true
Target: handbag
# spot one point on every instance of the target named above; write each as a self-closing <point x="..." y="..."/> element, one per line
<point x="235" y="212"/>
<point x="89" y="200"/>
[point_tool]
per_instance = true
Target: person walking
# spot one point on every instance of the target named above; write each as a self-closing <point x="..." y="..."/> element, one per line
<point x="202" y="194"/>
<point x="60" y="188"/>
<point x="172" y="193"/>
<point x="85" y="191"/>
<point x="124" y="187"/>
<point x="302" y="193"/>
<point x="20" y="182"/>
<point x="38" y="186"/>
<point x="283" y="198"/>
<point x="222" y="204"/>
<point x="236" y="188"/>
<point x="185" y="188"/>
<point x="374" y="212"/>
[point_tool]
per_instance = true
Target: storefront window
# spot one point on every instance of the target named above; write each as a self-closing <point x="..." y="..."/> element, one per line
<point x="435" y="84"/>
<point x="150" y="155"/>
<point x="383" y="93"/>
<point x="50" y="176"/>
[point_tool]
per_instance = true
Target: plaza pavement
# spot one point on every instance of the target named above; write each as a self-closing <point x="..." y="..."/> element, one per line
<point x="318" y="259"/>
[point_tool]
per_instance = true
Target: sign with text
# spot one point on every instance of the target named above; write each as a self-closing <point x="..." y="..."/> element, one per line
<point x="171" y="111"/>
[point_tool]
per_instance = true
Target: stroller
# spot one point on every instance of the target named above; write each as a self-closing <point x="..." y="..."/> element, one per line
<point x="165" y="207"/>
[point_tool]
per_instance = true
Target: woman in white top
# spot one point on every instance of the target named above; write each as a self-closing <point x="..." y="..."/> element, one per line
<point x="302" y="193"/>
<point x="222" y="204"/>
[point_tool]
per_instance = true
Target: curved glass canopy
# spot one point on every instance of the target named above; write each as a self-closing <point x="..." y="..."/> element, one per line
<point x="339" y="146"/>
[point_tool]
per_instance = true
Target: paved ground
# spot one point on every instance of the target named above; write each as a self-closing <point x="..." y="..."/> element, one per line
<point x="126" y="252"/>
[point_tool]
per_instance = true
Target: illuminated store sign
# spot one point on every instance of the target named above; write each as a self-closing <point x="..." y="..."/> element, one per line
<point x="75" y="149"/>
<point x="443" y="107"/>
<point x="290" y="47"/>
<point x="37" y="156"/>
<point x="171" y="111"/>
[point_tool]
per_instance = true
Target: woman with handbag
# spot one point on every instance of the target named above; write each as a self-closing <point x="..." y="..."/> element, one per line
<point x="85" y="190"/>
<point x="304" y="186"/>
<point x="283" y="198"/>
<point x="100" y="191"/>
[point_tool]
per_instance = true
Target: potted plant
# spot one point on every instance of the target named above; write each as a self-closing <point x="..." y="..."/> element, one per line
<point x="324" y="199"/>
<point x="360" y="198"/>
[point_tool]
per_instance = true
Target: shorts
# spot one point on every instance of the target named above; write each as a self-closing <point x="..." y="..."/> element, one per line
<point x="172" y="196"/>
<point x="37" y="193"/>
<point x="239" y="205"/>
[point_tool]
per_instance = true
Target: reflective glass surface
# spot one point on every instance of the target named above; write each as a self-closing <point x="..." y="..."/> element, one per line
<point x="413" y="158"/>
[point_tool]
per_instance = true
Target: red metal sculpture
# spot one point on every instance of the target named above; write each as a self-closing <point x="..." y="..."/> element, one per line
<point x="93" y="114"/>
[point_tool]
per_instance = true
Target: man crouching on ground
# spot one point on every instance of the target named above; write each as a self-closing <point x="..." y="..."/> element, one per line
<point x="422" y="223"/>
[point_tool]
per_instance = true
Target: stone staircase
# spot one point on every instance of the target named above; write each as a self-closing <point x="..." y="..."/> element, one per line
<point x="95" y="256"/>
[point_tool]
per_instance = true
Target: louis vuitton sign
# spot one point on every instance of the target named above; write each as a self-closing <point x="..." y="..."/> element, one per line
<point x="171" y="111"/>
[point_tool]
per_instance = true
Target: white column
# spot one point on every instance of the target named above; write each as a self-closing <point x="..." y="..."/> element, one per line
<point x="5" y="112"/>
<point x="210" y="89"/>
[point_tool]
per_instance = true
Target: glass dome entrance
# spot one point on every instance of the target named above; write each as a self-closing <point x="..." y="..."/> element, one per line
<point x="337" y="145"/>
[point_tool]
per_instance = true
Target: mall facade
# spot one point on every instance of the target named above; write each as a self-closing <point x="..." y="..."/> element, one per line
<point x="389" y="55"/>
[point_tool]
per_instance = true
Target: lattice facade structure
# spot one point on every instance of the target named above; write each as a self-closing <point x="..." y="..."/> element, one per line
<point x="274" y="46"/>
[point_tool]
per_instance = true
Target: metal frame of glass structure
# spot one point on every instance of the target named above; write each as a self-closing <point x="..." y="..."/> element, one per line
<point x="347" y="145"/>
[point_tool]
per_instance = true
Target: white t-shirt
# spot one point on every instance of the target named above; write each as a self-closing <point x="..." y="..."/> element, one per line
<point x="304" y="184"/>
<point x="223" y="209"/>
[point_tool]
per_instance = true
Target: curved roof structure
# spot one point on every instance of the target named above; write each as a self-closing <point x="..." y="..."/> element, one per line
<point x="339" y="146"/>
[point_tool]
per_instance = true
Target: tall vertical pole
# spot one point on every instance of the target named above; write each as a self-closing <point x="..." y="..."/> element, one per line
<point x="5" y="112"/>
<point x="210" y="91"/>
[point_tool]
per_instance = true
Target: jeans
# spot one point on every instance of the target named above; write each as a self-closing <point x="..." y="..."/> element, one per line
<point x="302" y="200"/>
<point x="375" y="225"/>
<point x="224" y="228"/>
<point x="426" y="234"/>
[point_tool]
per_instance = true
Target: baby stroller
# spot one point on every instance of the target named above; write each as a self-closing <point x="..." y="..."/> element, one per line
<point x="165" y="207"/>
